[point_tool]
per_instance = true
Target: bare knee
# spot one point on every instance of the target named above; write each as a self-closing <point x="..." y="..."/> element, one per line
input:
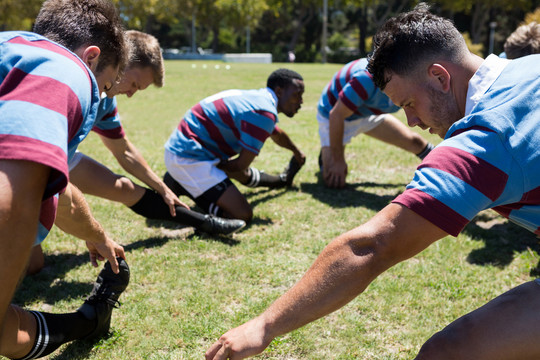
<point x="127" y="191"/>
<point x="245" y="214"/>
<point x="124" y="184"/>
<point x="450" y="343"/>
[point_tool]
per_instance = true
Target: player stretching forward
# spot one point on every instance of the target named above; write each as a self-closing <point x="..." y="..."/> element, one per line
<point x="159" y="202"/>
<point x="200" y="154"/>
<point x="48" y="102"/>
<point x="351" y="104"/>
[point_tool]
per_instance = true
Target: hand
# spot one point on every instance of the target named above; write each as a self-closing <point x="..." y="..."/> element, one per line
<point x="334" y="173"/>
<point x="239" y="343"/>
<point x="105" y="250"/>
<point x="170" y="198"/>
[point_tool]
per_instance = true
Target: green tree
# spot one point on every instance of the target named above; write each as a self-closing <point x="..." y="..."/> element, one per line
<point x="18" y="14"/>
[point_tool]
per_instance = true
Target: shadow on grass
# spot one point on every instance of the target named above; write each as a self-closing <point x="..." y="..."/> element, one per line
<point x="75" y="350"/>
<point x="49" y="286"/>
<point x="503" y="241"/>
<point x="265" y="194"/>
<point x="353" y="195"/>
<point x="187" y="232"/>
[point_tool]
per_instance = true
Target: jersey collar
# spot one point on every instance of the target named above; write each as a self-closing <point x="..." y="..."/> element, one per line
<point x="482" y="80"/>
<point x="272" y="94"/>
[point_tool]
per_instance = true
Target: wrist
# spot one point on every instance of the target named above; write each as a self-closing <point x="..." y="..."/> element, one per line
<point x="337" y="154"/>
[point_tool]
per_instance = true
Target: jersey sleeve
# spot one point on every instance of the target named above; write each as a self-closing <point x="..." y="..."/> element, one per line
<point x="357" y="90"/>
<point x="108" y="120"/>
<point x="255" y="127"/>
<point x="459" y="178"/>
<point x="39" y="111"/>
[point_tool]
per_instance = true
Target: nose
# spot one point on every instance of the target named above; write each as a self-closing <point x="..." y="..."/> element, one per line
<point x="412" y="119"/>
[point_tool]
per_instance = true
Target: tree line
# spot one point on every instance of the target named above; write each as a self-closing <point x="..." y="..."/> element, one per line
<point x="280" y="26"/>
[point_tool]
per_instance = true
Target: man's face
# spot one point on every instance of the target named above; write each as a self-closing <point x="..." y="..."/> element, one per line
<point x="290" y="98"/>
<point x="106" y="78"/>
<point x="424" y="105"/>
<point x="134" y="79"/>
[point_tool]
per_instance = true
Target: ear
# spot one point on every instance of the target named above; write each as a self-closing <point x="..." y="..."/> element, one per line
<point x="439" y="77"/>
<point x="90" y="56"/>
<point x="278" y="91"/>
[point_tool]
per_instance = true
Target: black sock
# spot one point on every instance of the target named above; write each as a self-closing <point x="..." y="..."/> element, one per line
<point x="260" y="178"/>
<point x="152" y="206"/>
<point x="422" y="154"/>
<point x="54" y="330"/>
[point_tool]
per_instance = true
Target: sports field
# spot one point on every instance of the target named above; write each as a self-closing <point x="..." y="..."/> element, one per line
<point x="187" y="289"/>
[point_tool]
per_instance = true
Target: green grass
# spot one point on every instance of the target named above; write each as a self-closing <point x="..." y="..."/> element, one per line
<point x="187" y="289"/>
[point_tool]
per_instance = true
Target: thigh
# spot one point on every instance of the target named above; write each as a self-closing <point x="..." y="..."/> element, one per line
<point x="94" y="178"/>
<point x="508" y="327"/>
<point x="394" y="132"/>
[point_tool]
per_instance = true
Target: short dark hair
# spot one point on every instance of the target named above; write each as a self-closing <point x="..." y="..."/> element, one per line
<point x="76" y="23"/>
<point x="282" y="78"/>
<point x="410" y="39"/>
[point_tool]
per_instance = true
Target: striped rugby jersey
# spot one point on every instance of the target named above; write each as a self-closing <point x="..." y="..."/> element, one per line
<point x="353" y="84"/>
<point x="108" y="120"/>
<point x="221" y="125"/>
<point x="48" y="103"/>
<point x="491" y="157"/>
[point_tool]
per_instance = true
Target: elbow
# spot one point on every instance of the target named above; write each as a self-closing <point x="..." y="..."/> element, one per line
<point x="372" y="254"/>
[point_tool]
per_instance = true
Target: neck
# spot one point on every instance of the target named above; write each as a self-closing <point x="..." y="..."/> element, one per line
<point x="461" y="75"/>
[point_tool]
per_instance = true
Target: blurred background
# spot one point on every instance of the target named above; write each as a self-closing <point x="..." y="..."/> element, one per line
<point x="335" y="31"/>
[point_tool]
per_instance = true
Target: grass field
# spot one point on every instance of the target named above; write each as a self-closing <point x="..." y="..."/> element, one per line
<point x="187" y="289"/>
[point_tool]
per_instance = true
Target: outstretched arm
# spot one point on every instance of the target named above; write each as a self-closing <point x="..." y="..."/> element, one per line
<point x="281" y="138"/>
<point x="340" y="273"/>
<point x="74" y="217"/>
<point x="131" y="160"/>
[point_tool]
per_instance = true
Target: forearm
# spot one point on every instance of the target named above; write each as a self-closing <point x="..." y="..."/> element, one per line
<point x="134" y="163"/>
<point x="335" y="278"/>
<point x="336" y="130"/>
<point x="283" y="140"/>
<point x="75" y="217"/>
<point x="232" y="166"/>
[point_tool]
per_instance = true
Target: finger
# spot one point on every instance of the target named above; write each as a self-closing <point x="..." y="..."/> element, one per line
<point x="341" y="180"/>
<point x="172" y="209"/>
<point x="223" y="353"/>
<point x="329" y="181"/>
<point x="93" y="260"/>
<point x="114" y="264"/>
<point x="213" y="350"/>
<point x="184" y="205"/>
<point x="334" y="181"/>
<point x="120" y="252"/>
